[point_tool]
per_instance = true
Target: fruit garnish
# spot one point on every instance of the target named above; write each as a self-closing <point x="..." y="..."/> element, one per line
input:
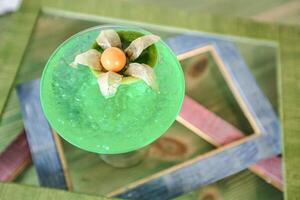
<point x="137" y="46"/>
<point x="108" y="65"/>
<point x="113" y="59"/>
<point x="109" y="83"/>
<point x="143" y="72"/>
<point x="90" y="58"/>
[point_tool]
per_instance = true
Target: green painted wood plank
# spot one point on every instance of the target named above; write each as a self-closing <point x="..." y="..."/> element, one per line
<point x="290" y="110"/>
<point x="5" y="20"/>
<point x="284" y="12"/>
<point x="11" y="123"/>
<point x="21" y="192"/>
<point x="237" y="8"/>
<point x="165" y="16"/>
<point x="15" y="38"/>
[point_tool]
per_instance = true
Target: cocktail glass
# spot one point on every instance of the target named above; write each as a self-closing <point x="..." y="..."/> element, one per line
<point x="136" y="116"/>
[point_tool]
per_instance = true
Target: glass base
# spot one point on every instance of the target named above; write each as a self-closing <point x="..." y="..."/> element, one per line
<point x="124" y="160"/>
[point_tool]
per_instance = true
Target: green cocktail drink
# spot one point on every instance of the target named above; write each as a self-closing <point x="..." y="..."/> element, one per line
<point x="133" y="118"/>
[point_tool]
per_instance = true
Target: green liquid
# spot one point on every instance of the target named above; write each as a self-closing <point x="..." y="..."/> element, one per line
<point x="133" y="118"/>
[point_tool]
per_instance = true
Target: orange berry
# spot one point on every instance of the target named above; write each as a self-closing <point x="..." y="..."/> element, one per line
<point x="113" y="59"/>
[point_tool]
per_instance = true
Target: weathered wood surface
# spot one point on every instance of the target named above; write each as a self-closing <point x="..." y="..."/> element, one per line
<point x="225" y="134"/>
<point x="262" y="31"/>
<point x="211" y="24"/>
<point x="15" y="158"/>
<point x="43" y="147"/>
<point x="35" y="87"/>
<point x="10" y="191"/>
<point x="87" y="170"/>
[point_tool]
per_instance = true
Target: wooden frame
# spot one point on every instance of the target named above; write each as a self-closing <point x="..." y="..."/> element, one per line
<point x="193" y="173"/>
<point x="211" y="166"/>
<point x="284" y="35"/>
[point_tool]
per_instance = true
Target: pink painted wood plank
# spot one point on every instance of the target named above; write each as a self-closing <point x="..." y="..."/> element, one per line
<point x="271" y="170"/>
<point x="14" y="158"/>
<point x="219" y="132"/>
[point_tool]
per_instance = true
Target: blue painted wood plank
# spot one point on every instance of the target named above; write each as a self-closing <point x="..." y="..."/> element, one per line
<point x="40" y="137"/>
<point x="201" y="172"/>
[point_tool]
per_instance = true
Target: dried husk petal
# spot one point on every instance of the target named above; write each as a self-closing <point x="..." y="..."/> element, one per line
<point x="90" y="58"/>
<point x="137" y="46"/>
<point x="144" y="72"/>
<point x="108" y="83"/>
<point x="108" y="38"/>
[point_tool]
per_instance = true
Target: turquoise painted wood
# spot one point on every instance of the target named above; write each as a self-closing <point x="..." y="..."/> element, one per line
<point x="40" y="137"/>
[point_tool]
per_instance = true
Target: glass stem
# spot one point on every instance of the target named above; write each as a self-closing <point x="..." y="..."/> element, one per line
<point x="124" y="160"/>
